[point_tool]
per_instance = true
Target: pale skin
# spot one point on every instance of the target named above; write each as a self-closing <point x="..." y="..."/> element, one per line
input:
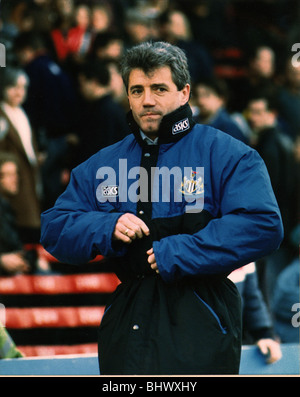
<point x="271" y="349"/>
<point x="151" y="97"/>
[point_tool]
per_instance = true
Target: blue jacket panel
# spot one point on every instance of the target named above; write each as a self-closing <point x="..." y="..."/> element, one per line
<point x="245" y="225"/>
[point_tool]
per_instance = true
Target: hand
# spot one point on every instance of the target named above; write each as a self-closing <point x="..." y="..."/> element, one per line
<point x="152" y="260"/>
<point x="271" y="349"/>
<point x="14" y="263"/>
<point x="129" y="227"/>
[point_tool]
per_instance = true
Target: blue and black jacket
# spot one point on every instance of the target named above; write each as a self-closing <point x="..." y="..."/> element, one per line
<point x="186" y="319"/>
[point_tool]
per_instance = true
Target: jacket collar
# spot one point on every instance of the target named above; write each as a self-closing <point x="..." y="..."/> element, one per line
<point x="173" y="126"/>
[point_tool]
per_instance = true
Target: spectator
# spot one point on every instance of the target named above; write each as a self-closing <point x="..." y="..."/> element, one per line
<point x="210" y="98"/>
<point x="260" y="74"/>
<point x="80" y="35"/>
<point x="276" y="151"/>
<point x="50" y="105"/>
<point x="12" y="258"/>
<point x="138" y="27"/>
<point x="71" y="38"/>
<point x="16" y="137"/>
<point x="13" y="20"/>
<point x="175" y="29"/>
<point x="289" y="100"/>
<point x="116" y="84"/>
<point x="101" y="18"/>
<point x="257" y="321"/>
<point x="285" y="303"/>
<point x="210" y="21"/>
<point x="107" y="45"/>
<point x="102" y="120"/>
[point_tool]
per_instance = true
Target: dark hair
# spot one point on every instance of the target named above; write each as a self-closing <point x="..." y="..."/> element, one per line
<point x="268" y="95"/>
<point x="218" y="86"/>
<point x="149" y="56"/>
<point x="30" y="39"/>
<point x="96" y="70"/>
<point x="103" y="39"/>
<point x="9" y="78"/>
<point x="7" y="157"/>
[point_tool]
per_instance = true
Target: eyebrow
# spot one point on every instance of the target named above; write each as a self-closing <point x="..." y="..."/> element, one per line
<point x="156" y="85"/>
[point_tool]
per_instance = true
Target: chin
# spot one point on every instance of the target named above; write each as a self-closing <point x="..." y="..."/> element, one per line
<point x="150" y="128"/>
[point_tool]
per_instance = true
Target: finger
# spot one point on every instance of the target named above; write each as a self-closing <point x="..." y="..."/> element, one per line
<point x="151" y="259"/>
<point x="150" y="251"/>
<point x="138" y="221"/>
<point x="154" y="267"/>
<point x="134" y="229"/>
<point x="128" y="232"/>
<point x="122" y="237"/>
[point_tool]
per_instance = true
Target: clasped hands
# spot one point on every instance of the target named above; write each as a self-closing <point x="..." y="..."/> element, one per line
<point x="128" y="228"/>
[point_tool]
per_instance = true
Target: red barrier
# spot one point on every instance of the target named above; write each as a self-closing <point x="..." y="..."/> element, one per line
<point x="31" y="351"/>
<point x="52" y="317"/>
<point x="59" y="284"/>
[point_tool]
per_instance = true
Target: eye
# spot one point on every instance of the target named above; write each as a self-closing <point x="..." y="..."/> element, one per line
<point x="136" y="91"/>
<point x="161" y="89"/>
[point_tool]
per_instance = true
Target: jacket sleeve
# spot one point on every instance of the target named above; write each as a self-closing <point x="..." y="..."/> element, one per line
<point x="75" y="230"/>
<point x="247" y="227"/>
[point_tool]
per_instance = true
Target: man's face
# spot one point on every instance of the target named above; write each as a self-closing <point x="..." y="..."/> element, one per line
<point x="259" y="116"/>
<point x="9" y="179"/>
<point x="207" y="101"/>
<point x="153" y="96"/>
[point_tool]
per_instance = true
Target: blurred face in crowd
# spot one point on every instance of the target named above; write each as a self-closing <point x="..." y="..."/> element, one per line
<point x="15" y="95"/>
<point x="178" y="26"/>
<point x="100" y="19"/>
<point x="207" y="101"/>
<point x="293" y="76"/>
<point x="259" y="116"/>
<point x="113" y="50"/>
<point x="152" y="96"/>
<point x="82" y="16"/>
<point x="65" y="7"/>
<point x="9" y="179"/>
<point x="263" y="63"/>
<point x="138" y="31"/>
<point x="88" y="87"/>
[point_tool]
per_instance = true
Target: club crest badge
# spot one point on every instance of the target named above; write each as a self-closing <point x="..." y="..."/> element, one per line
<point x="192" y="186"/>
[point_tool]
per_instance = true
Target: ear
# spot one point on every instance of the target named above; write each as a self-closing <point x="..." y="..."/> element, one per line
<point x="186" y="93"/>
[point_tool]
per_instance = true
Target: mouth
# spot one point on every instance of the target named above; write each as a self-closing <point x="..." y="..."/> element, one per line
<point x="150" y="114"/>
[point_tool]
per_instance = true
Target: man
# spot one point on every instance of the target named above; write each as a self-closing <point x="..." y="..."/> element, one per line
<point x="102" y="120"/>
<point x="289" y="100"/>
<point x="17" y="137"/>
<point x="52" y="115"/>
<point x="210" y="97"/>
<point x="175" y="311"/>
<point x="276" y="149"/>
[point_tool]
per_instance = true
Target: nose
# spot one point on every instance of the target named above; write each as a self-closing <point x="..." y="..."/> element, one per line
<point x="148" y="99"/>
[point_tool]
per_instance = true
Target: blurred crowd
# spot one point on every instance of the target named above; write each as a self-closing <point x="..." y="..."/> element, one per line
<point x="62" y="99"/>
